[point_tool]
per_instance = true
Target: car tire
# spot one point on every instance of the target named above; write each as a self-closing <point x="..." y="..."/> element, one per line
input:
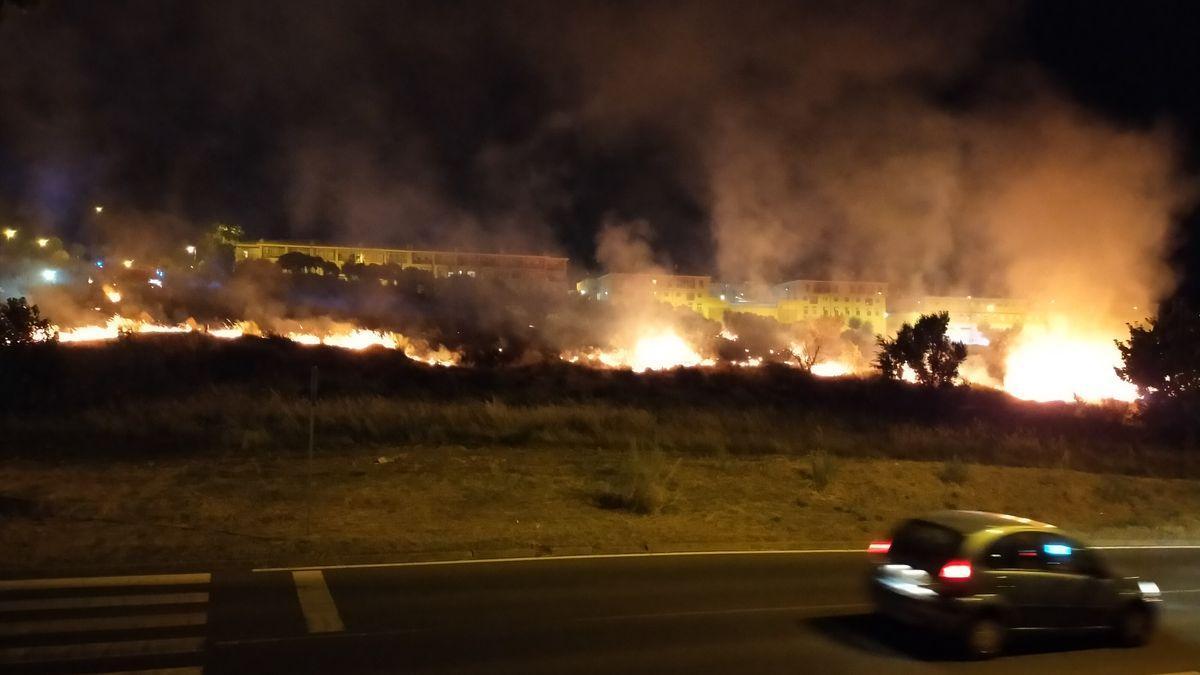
<point x="984" y="637"/>
<point x="1134" y="625"/>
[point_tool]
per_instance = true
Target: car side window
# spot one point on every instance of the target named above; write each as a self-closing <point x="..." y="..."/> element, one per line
<point x="1061" y="554"/>
<point x="1014" y="552"/>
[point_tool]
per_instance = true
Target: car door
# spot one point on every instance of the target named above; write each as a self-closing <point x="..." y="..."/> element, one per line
<point x="1019" y="578"/>
<point x="1083" y="593"/>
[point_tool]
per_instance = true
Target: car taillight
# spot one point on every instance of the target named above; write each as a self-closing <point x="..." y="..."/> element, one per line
<point x="879" y="546"/>
<point x="956" y="570"/>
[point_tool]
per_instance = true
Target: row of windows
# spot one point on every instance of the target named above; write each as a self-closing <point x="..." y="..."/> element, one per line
<point x="418" y="257"/>
<point x="830" y="287"/>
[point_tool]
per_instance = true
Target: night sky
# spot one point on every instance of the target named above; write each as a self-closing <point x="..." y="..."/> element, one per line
<point x="531" y="125"/>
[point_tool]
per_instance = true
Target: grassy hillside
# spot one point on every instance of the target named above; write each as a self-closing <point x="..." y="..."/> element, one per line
<point x="447" y="501"/>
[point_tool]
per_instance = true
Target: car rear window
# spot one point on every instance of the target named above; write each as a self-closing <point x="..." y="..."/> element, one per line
<point x="924" y="545"/>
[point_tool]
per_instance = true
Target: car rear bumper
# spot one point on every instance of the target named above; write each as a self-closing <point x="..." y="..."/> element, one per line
<point x="919" y="609"/>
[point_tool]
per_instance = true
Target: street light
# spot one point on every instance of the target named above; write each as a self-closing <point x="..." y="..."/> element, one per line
<point x="190" y="249"/>
<point x="42" y="242"/>
<point x="127" y="263"/>
<point x="49" y="275"/>
<point x="9" y="233"/>
<point x="98" y="208"/>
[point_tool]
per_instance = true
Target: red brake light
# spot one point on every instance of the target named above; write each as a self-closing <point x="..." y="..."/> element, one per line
<point x="956" y="570"/>
<point x="880" y="546"/>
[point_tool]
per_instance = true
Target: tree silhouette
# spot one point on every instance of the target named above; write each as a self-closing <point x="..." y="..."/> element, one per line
<point x="22" y="324"/>
<point x="924" y="347"/>
<point x="1163" y="359"/>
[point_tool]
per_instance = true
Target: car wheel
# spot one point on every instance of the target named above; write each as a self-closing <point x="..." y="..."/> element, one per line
<point x="984" y="637"/>
<point x="1134" y="626"/>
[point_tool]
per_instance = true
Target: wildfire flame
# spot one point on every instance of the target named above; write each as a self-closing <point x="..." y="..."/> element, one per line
<point x="832" y="369"/>
<point x="356" y="339"/>
<point x="657" y="350"/>
<point x="1054" y="365"/>
<point x="1045" y="364"/>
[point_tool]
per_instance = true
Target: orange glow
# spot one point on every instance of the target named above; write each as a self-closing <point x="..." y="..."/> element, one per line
<point x="341" y="336"/>
<point x="832" y="369"/>
<point x="1056" y="365"/>
<point x="658" y="350"/>
<point x="661" y="351"/>
<point x="113" y="295"/>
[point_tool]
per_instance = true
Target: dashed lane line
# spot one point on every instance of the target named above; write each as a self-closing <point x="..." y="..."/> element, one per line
<point x="320" y="612"/>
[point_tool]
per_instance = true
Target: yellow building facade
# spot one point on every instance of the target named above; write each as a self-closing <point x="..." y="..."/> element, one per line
<point x="508" y="266"/>
<point x="787" y="303"/>
<point x="970" y="315"/>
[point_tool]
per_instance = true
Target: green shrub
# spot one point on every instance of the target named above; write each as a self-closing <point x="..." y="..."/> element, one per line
<point x="824" y="468"/>
<point x="1115" y="490"/>
<point x="954" y="471"/>
<point x="644" y="483"/>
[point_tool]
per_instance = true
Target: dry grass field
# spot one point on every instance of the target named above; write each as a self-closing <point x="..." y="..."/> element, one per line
<point x="430" y="502"/>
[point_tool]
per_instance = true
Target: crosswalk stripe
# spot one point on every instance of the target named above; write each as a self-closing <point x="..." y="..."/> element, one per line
<point x="33" y="626"/>
<point x="99" y="650"/>
<point x="320" y="612"/>
<point x="101" y="582"/>
<point x="89" y="602"/>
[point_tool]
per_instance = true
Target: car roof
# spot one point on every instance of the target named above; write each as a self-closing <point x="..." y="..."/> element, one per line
<point x="970" y="522"/>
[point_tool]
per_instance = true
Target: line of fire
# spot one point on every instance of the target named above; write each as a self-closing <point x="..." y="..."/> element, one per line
<point x="659" y="319"/>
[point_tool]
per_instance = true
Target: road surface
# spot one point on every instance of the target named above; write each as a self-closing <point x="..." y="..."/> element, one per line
<point x="713" y="613"/>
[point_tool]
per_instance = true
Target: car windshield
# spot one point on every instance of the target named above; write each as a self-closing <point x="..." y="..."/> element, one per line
<point x="924" y="545"/>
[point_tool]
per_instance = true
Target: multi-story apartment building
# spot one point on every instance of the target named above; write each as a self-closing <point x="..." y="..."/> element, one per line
<point x="506" y="266"/>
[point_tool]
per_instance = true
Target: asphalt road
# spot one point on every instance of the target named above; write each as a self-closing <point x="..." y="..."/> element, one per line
<point x="746" y="613"/>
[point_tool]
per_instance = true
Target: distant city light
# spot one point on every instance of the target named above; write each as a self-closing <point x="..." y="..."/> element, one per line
<point x="157" y="283"/>
<point x="49" y="276"/>
<point x="159" y="273"/>
<point x="9" y="233"/>
<point x="190" y="249"/>
<point x="100" y="264"/>
<point x="98" y="208"/>
<point x="127" y="263"/>
<point x="42" y="242"/>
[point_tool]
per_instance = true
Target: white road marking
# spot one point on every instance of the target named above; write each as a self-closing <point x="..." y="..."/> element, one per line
<point x="1182" y="590"/>
<point x="591" y="556"/>
<point x="320" y="612"/>
<point x="1164" y="547"/>
<point x="106" y="582"/>
<point x="665" y="554"/>
<point x="73" y="625"/>
<point x="88" y="602"/>
<point x="719" y="612"/>
<point x="100" y="650"/>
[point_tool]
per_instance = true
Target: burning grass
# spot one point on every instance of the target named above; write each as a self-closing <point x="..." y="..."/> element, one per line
<point x="181" y="448"/>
